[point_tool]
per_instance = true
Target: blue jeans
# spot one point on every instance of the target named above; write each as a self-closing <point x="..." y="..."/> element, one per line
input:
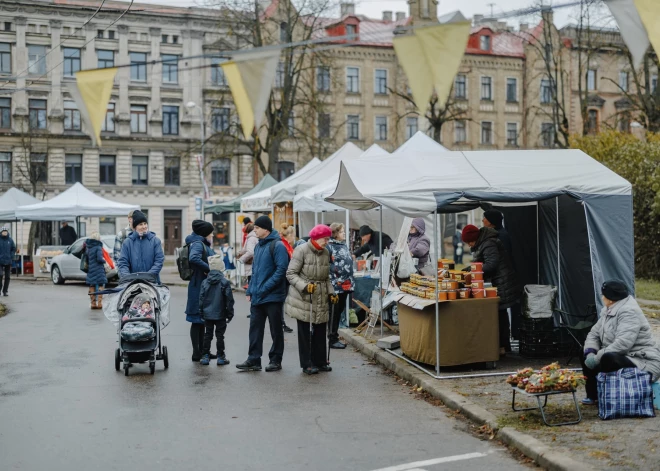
<point x="258" y="315"/>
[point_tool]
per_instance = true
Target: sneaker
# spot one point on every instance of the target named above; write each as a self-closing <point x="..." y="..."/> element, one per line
<point x="325" y="368"/>
<point x="247" y="365"/>
<point x="589" y="402"/>
<point x="272" y="366"/>
<point x="6" y="294"/>
<point x="312" y="370"/>
<point x="205" y="360"/>
<point x="222" y="360"/>
<point x="287" y="329"/>
<point x="338" y="345"/>
<point x="212" y="356"/>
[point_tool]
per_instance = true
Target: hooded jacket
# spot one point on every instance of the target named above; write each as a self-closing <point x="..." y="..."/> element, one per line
<point x="96" y="271"/>
<point x="268" y="282"/>
<point x="141" y="254"/>
<point x="216" y="300"/>
<point x="7" y="249"/>
<point x="200" y="269"/>
<point x="419" y="243"/>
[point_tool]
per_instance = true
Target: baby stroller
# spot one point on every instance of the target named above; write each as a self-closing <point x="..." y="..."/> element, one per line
<point x="140" y="309"/>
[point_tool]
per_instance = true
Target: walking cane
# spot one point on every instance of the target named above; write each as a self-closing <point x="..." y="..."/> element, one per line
<point x="332" y="316"/>
<point x="311" y="331"/>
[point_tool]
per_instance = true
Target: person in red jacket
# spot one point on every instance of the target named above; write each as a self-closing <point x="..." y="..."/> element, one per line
<point x="246" y="221"/>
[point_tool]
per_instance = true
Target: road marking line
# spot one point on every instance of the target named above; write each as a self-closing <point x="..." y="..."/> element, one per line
<point x="446" y="459"/>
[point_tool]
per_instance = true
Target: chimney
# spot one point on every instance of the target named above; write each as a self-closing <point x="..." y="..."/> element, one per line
<point x="548" y="15"/>
<point x="524" y="27"/>
<point x="347" y="9"/>
<point x="400" y="15"/>
<point x="478" y="19"/>
<point x="387" y="16"/>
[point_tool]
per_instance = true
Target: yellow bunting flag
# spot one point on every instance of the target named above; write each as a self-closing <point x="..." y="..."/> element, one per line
<point x="413" y="61"/>
<point x="92" y="92"/>
<point x="250" y="77"/>
<point x="631" y="27"/>
<point x="649" y="12"/>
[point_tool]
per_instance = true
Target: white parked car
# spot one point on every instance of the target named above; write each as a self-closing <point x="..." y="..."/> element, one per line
<point x="66" y="266"/>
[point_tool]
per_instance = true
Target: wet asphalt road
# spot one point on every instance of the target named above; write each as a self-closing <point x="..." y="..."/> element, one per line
<point x="64" y="407"/>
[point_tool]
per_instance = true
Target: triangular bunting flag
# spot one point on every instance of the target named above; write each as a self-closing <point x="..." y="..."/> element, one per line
<point x="92" y="92"/>
<point x="649" y="12"/>
<point x="250" y="77"/>
<point x="414" y="64"/>
<point x="631" y="27"/>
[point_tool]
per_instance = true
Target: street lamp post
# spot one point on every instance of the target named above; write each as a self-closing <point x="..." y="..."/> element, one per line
<point x="190" y="105"/>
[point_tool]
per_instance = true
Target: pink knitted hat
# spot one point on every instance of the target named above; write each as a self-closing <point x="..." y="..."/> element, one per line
<point x="319" y="232"/>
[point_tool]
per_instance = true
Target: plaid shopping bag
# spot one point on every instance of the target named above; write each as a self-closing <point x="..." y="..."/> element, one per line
<point x="625" y="393"/>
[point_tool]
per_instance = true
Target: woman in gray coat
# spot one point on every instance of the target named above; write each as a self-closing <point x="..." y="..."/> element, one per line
<point x="621" y="338"/>
<point x="310" y="293"/>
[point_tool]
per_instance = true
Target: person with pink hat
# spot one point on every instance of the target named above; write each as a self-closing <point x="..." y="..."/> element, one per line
<point x="310" y="293"/>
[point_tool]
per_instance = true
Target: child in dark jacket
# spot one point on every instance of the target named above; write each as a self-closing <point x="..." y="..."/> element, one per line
<point x="216" y="306"/>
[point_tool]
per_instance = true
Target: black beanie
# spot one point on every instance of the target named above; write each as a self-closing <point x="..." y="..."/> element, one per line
<point x="265" y="223"/>
<point x="615" y="290"/>
<point x="202" y="228"/>
<point x="494" y="217"/>
<point x="365" y="230"/>
<point x="246" y="221"/>
<point x="138" y="218"/>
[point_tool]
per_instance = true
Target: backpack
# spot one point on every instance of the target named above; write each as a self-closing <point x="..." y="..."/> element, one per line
<point x="183" y="260"/>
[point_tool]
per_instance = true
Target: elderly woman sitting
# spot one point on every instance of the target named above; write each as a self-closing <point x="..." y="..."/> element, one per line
<point x="622" y="338"/>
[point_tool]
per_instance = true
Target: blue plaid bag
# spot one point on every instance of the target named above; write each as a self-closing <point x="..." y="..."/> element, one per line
<point x="625" y="393"/>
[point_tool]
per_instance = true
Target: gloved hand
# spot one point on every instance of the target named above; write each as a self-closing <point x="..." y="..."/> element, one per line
<point x="591" y="361"/>
<point x="334" y="299"/>
<point x="229" y="318"/>
<point x="310" y="288"/>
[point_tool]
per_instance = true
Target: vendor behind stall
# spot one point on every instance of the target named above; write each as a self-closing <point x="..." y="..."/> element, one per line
<point x="371" y="242"/>
<point x="419" y="243"/>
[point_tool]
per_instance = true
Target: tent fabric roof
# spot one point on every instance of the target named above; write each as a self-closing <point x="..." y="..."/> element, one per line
<point x="12" y="199"/>
<point x="261" y="200"/>
<point x="74" y="202"/>
<point x="234" y="205"/>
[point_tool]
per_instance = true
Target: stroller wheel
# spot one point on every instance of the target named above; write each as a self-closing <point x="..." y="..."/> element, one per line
<point x="152" y="367"/>
<point x="166" y="360"/>
<point x="117" y="360"/>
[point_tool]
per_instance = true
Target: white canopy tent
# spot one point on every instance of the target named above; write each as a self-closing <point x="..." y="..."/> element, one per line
<point x="12" y="199"/>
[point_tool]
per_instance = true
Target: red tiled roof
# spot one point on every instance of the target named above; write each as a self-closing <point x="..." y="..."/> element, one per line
<point x="503" y="43"/>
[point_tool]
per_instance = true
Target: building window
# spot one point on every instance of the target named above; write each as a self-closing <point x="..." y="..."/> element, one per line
<point x="291" y="124"/>
<point x="484" y="43"/>
<point x="171" y="120"/>
<point x="140" y="170"/>
<point x="175" y="39"/>
<point x="284" y="170"/>
<point x="547" y="135"/>
<point x="460" y="87"/>
<point x="352" y="80"/>
<point x="460" y="132"/>
<point x="624" y="122"/>
<point x="546" y="91"/>
<point x="623" y="81"/>
<point x="105" y="59"/>
<point x="172" y="171"/>
<point x="36" y="60"/>
<point x="324" y="125"/>
<point x="71" y="61"/>
<point x="5" y="167"/>
<point x="351" y="32"/>
<point x="353" y="127"/>
<point x="71" y="116"/>
<point x="220" y="119"/>
<point x="38" y="168"/>
<point x="111" y="35"/>
<point x="163" y="39"/>
<point x="107" y="169"/>
<point x="138" y="66"/>
<point x="381" y="82"/>
<point x="512" y="134"/>
<point x="323" y="79"/>
<point x="217" y="74"/>
<point x="99" y="34"/>
<point x="381" y="128"/>
<point x="487" y="88"/>
<point x="37" y="114"/>
<point x="170" y="68"/>
<point x="7" y="26"/>
<point x="511" y="90"/>
<point x="108" y="124"/>
<point x="73" y="169"/>
<point x="5" y="113"/>
<point x="139" y="119"/>
<point x="487" y="133"/>
<point x="591" y="80"/>
<point x="220" y="172"/>
<point x="279" y="75"/>
<point x="411" y="126"/>
<point x="5" y="58"/>
<point x="592" y="122"/>
<point x="284" y="32"/>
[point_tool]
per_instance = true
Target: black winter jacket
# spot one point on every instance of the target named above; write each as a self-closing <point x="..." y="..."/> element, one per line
<point x="498" y="268"/>
<point x="373" y="245"/>
<point x="216" y="301"/>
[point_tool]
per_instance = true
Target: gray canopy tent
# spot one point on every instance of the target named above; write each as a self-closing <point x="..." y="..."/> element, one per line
<point x="9" y="201"/>
<point x="234" y="206"/>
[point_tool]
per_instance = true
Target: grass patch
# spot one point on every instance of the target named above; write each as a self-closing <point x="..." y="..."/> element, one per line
<point x="647" y="289"/>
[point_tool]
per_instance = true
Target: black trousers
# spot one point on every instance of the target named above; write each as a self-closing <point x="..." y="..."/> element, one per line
<point x="317" y="354"/>
<point x="608" y="363"/>
<point x="516" y="320"/>
<point x="197" y="339"/>
<point x="505" y="333"/>
<point x="220" y="329"/>
<point x="258" y="315"/>
<point x="6" y="270"/>
<point x="333" y="320"/>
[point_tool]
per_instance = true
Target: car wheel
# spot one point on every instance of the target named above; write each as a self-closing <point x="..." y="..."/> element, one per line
<point x="56" y="275"/>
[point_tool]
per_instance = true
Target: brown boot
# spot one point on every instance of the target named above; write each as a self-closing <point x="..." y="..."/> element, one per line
<point x="99" y="299"/>
<point x="92" y="299"/>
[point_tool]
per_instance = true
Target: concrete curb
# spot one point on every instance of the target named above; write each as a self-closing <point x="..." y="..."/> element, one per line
<point x="530" y="446"/>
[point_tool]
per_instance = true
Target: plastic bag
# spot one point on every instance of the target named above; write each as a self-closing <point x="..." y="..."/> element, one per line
<point x="539" y="301"/>
<point x="137" y="331"/>
<point x="406" y="265"/>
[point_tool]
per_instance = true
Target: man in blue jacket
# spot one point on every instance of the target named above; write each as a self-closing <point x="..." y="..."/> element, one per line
<point x="267" y="293"/>
<point x="142" y="251"/>
<point x="7" y="252"/>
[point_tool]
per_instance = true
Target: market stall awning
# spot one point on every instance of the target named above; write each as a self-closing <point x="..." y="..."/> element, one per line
<point x="261" y="200"/>
<point x="77" y="201"/>
<point x="12" y="199"/>
<point x="234" y="205"/>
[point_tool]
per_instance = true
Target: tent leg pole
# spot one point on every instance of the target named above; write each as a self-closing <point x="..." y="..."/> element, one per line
<point x="558" y="252"/>
<point x="382" y="285"/>
<point x="322" y="218"/>
<point x="538" y="247"/>
<point x="348" y="243"/>
<point x="316" y="218"/>
<point x="437" y="306"/>
<point x="22" y="252"/>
